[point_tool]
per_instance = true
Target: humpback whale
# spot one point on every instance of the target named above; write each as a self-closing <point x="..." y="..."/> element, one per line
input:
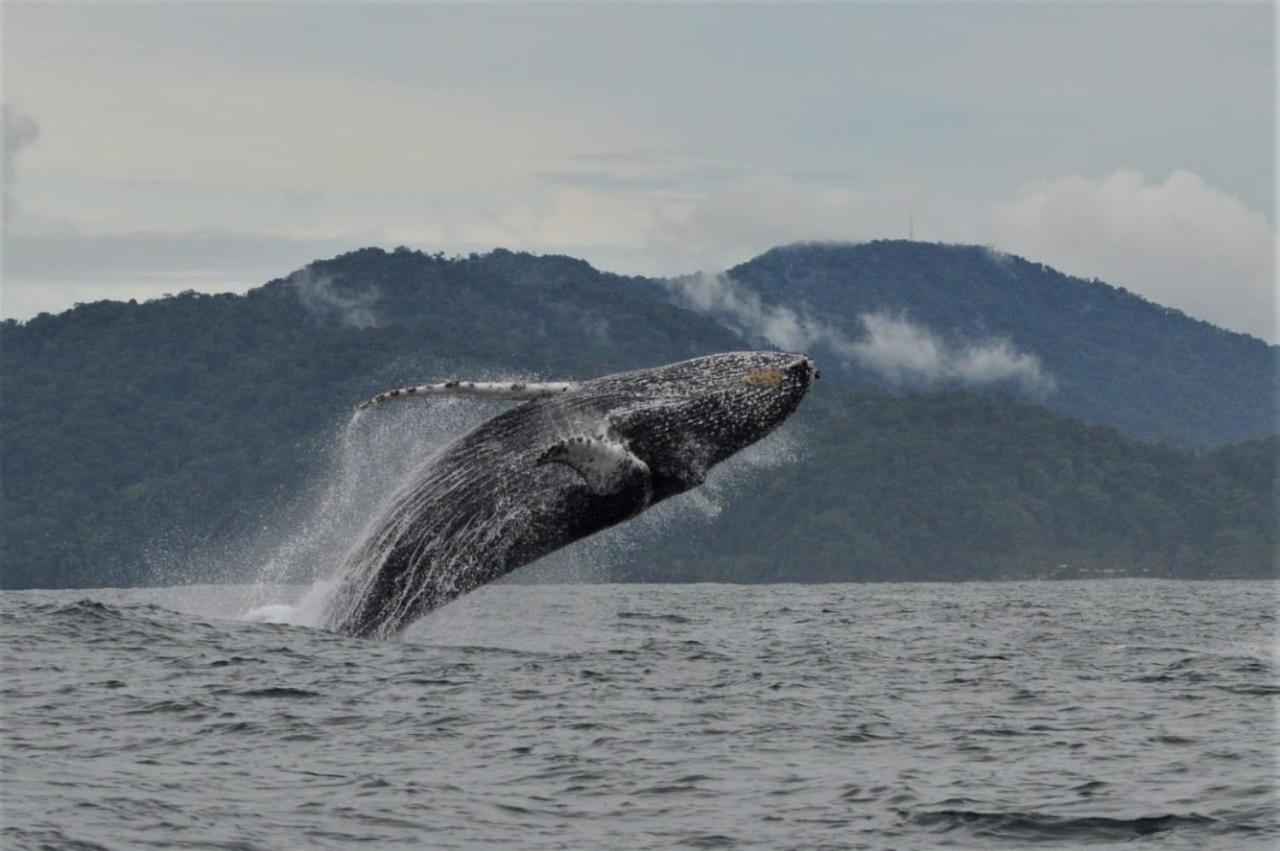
<point x="572" y="459"/>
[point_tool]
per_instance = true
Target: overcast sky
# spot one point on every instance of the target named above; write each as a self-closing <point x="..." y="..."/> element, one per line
<point x="157" y="148"/>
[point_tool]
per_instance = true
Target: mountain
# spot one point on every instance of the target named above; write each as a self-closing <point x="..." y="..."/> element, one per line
<point x="192" y="417"/>
<point x="1109" y="356"/>
<point x="952" y="485"/>
<point x="131" y="432"/>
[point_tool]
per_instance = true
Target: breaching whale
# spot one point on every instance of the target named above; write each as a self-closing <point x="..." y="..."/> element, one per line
<point x="574" y="458"/>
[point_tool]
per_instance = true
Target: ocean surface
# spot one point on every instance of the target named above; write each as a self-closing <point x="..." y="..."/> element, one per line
<point x="1125" y="713"/>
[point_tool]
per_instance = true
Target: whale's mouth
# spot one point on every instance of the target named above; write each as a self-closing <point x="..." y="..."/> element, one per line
<point x="812" y="367"/>
<point x="800" y="368"/>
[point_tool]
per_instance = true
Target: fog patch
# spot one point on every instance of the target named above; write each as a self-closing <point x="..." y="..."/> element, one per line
<point x="892" y="347"/>
<point x="320" y="296"/>
<point x="744" y="311"/>
<point x="1180" y="242"/>
<point x="597" y="328"/>
<point x="902" y="352"/>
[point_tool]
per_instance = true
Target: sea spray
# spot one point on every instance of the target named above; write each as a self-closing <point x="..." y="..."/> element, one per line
<point x="365" y="462"/>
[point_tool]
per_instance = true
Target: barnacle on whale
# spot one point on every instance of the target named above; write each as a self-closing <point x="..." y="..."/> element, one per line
<point x="767" y="377"/>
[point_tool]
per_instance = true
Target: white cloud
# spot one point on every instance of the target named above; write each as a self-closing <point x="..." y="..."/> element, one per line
<point x="492" y="139"/>
<point x="737" y="221"/>
<point x="53" y="267"/>
<point x="905" y="353"/>
<point x="1181" y="243"/>
<point x="722" y="297"/>
<point x="283" y="129"/>
<point x="894" y="348"/>
<point x="323" y="298"/>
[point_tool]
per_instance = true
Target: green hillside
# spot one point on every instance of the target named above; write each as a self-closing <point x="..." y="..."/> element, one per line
<point x="130" y="427"/>
<point x="192" y="416"/>
<point x="946" y="486"/>
<point x="1117" y="359"/>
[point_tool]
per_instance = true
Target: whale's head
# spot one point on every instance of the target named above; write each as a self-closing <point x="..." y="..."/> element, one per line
<point x="685" y="418"/>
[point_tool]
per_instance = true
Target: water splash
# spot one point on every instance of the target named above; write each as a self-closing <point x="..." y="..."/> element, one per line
<point x="364" y="463"/>
<point x="306" y="612"/>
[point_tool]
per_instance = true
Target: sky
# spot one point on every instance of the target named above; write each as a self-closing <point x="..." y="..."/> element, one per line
<point x="151" y="148"/>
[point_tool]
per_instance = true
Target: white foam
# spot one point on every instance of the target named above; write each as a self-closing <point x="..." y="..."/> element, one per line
<point x="306" y="612"/>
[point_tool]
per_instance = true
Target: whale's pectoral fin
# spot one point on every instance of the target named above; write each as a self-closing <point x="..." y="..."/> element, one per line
<point x="606" y="465"/>
<point x="505" y="391"/>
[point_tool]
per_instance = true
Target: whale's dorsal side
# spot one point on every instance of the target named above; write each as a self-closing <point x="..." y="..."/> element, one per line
<point x="605" y="464"/>
<point x="506" y="391"/>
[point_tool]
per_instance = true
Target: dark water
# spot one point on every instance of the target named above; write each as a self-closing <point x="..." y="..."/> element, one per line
<point x="1125" y="712"/>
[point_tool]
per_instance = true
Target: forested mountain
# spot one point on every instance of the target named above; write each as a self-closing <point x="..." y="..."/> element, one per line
<point x="1113" y="357"/>
<point x="951" y="485"/>
<point x="195" y="417"/>
<point x="192" y="415"/>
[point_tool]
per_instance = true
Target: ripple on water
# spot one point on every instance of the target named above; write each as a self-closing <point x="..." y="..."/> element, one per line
<point x="651" y="716"/>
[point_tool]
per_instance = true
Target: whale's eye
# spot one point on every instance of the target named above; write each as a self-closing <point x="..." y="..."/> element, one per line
<point x="765" y="377"/>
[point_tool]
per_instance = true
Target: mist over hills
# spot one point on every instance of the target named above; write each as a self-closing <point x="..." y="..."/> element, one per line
<point x="194" y="418"/>
<point x="1086" y="349"/>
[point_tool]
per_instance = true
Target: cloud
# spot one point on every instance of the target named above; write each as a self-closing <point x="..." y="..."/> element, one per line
<point x="620" y="174"/>
<point x="897" y="350"/>
<point x="905" y="353"/>
<point x="1182" y="243"/>
<point x="19" y="131"/>
<point x="324" y="299"/>
<point x="447" y="130"/>
<point x="734" y="222"/>
<point x="719" y="295"/>
<point x="52" y="268"/>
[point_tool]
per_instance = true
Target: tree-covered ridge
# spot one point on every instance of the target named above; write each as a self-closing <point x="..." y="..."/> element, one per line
<point x="1117" y="359"/>
<point x="952" y="485"/>
<point x="193" y="414"/>
<point x="126" y="427"/>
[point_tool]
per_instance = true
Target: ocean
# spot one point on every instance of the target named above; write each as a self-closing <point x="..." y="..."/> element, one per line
<point x="1104" y="713"/>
